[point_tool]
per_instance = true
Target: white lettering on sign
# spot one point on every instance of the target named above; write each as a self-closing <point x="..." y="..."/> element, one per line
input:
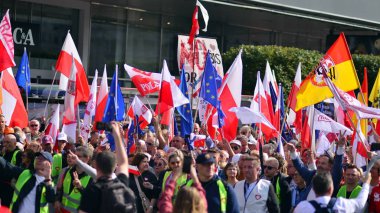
<point x="23" y="37"/>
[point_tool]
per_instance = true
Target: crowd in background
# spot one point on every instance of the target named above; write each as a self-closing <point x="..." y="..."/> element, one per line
<point x="165" y="174"/>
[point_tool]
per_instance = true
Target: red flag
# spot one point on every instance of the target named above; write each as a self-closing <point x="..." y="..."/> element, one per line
<point x="13" y="106"/>
<point x="63" y="66"/>
<point x="194" y="26"/>
<point x="145" y="82"/>
<point x="306" y="134"/>
<point x="6" y="43"/>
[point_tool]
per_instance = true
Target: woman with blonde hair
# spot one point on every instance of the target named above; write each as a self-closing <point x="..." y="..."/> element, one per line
<point x="188" y="200"/>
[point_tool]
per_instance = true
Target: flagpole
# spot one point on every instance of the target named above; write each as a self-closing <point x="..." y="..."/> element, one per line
<point x="193" y="74"/>
<point x="51" y="87"/>
<point x="27" y="84"/>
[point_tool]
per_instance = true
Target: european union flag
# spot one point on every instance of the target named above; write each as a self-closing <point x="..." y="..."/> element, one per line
<point x="23" y="73"/>
<point x="115" y="108"/>
<point x="131" y="131"/>
<point x="185" y="110"/>
<point x="209" y="90"/>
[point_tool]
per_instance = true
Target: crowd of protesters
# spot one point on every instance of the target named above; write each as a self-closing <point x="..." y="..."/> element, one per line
<point x="161" y="174"/>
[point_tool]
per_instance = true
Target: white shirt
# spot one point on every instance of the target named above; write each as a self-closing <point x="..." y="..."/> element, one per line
<point x="29" y="202"/>
<point x="341" y="204"/>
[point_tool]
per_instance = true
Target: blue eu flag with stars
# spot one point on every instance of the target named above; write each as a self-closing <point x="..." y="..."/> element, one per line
<point x="115" y="108"/>
<point x="185" y="110"/>
<point x="23" y="73"/>
<point x="209" y="90"/>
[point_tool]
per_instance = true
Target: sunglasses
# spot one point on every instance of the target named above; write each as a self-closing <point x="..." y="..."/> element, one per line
<point x="149" y="144"/>
<point x="33" y="125"/>
<point x="268" y="167"/>
<point x="158" y="164"/>
<point x="235" y="147"/>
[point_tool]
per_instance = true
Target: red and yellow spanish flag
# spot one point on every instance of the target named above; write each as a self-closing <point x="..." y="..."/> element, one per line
<point x="342" y="72"/>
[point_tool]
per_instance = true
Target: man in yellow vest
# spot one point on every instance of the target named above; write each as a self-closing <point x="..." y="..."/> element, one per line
<point x="12" y="153"/>
<point x="351" y="188"/>
<point x="280" y="185"/>
<point x="220" y="196"/>
<point x="34" y="189"/>
<point x="72" y="182"/>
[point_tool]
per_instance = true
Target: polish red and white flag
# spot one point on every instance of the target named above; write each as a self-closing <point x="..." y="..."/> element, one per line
<point x="12" y="107"/>
<point x="63" y="66"/>
<point x="101" y="100"/>
<point x="69" y="117"/>
<point x="139" y="109"/>
<point x="52" y="128"/>
<point x="170" y="95"/>
<point x="260" y="104"/>
<point x="230" y="96"/>
<point x="90" y="109"/>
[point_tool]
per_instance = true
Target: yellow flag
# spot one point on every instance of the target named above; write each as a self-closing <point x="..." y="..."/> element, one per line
<point x="375" y="92"/>
<point x="341" y="72"/>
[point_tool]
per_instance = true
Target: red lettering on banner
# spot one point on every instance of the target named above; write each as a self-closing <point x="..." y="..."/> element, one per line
<point x="323" y="118"/>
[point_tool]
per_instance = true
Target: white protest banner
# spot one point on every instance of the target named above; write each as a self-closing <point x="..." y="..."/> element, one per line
<point x="196" y="58"/>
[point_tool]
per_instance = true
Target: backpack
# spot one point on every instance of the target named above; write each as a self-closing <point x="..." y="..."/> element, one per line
<point x="116" y="197"/>
<point x="325" y="209"/>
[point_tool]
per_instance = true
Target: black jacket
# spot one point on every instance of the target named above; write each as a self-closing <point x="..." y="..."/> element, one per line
<point x="285" y="192"/>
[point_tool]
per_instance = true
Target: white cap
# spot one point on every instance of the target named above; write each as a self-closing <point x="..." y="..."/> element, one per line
<point x="252" y="140"/>
<point x="237" y="142"/>
<point x="62" y="137"/>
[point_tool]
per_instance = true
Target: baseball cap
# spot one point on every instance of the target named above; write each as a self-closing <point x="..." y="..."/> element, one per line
<point x="252" y="140"/>
<point x="46" y="139"/>
<point x="236" y="142"/>
<point x="62" y="136"/>
<point x="205" y="159"/>
<point x="46" y="155"/>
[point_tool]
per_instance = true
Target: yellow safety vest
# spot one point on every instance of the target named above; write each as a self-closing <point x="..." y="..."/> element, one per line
<point x="14" y="157"/>
<point x="222" y="194"/>
<point x="343" y="192"/>
<point x="71" y="200"/>
<point x="278" y="190"/>
<point x="180" y="182"/>
<point x="56" y="167"/>
<point x="22" y="179"/>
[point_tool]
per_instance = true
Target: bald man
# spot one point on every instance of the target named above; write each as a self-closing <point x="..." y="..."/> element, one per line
<point x="11" y="152"/>
<point x="278" y="180"/>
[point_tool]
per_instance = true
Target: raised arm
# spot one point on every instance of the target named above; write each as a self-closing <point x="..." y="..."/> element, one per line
<point x="121" y="154"/>
<point x="303" y="170"/>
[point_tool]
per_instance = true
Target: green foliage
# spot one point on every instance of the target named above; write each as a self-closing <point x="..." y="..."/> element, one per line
<point x="284" y="61"/>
